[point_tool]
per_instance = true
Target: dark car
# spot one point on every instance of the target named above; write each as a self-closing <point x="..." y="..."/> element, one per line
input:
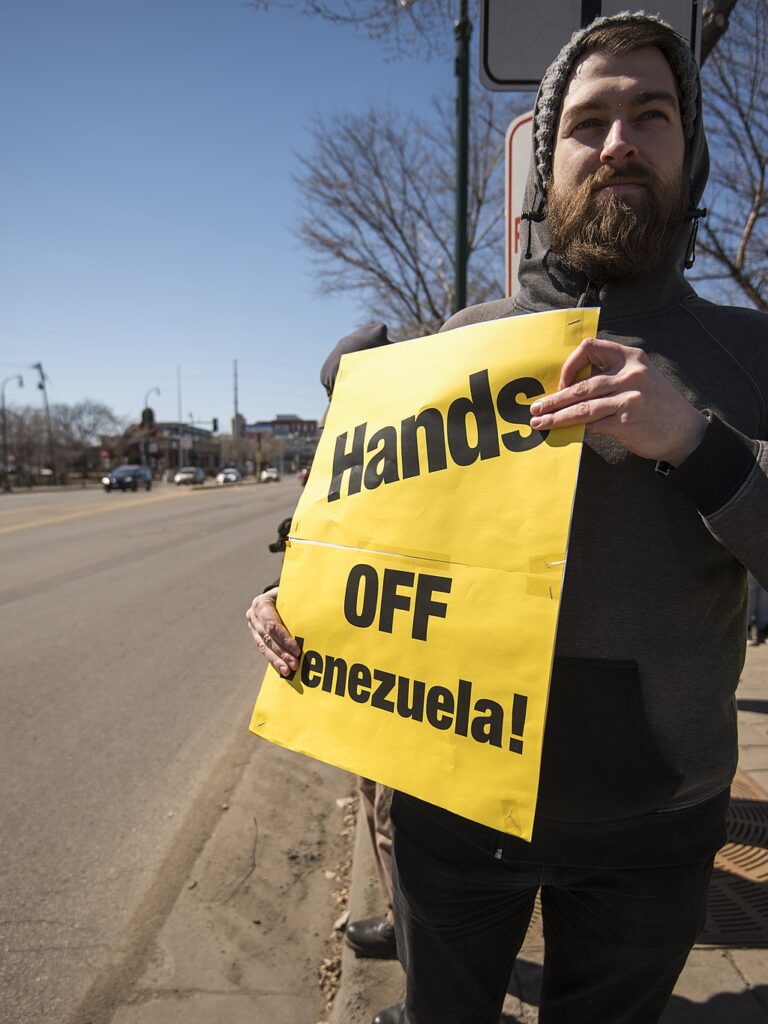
<point x="127" y="478"/>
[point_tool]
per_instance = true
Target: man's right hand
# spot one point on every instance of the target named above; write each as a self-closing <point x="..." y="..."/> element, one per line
<point x="270" y="635"/>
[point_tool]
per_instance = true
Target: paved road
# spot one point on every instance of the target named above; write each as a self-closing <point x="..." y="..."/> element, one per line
<point x="126" y="676"/>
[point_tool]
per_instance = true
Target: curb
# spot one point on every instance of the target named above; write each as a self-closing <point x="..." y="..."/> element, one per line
<point x="366" y="985"/>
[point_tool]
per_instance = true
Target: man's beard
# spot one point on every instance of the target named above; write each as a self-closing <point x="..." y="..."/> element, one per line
<point x="610" y="237"/>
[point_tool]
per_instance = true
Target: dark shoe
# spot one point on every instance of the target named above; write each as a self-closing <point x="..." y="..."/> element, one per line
<point x="756" y="636"/>
<point x="392" y="1014"/>
<point x="373" y="936"/>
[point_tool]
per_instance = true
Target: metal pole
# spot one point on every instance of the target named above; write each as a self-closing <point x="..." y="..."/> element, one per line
<point x="178" y="412"/>
<point x="51" y="448"/>
<point x="6" y="481"/>
<point x="462" y="30"/>
<point x="236" y="422"/>
<point x="20" y="379"/>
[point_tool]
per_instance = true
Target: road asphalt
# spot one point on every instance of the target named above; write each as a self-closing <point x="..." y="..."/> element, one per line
<point x="127" y="678"/>
<point x="214" y="960"/>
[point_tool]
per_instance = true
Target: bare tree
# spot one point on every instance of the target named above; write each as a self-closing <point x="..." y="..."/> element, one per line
<point x="78" y="429"/>
<point x="378" y="210"/>
<point x="734" y="237"/>
<point x="424" y="26"/>
<point x="27" y="442"/>
<point x="77" y="432"/>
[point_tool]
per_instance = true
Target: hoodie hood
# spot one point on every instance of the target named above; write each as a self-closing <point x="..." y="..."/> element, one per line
<point x="544" y="281"/>
<point x="369" y="336"/>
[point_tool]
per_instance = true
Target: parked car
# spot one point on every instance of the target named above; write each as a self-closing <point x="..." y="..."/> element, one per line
<point x="230" y="475"/>
<point x="127" y="478"/>
<point x="190" y="475"/>
<point x="269" y="475"/>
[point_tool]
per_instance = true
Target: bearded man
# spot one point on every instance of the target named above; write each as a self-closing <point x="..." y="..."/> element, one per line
<point x="671" y="508"/>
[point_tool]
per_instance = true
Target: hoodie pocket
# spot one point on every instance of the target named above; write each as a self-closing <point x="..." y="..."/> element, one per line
<point x="599" y="760"/>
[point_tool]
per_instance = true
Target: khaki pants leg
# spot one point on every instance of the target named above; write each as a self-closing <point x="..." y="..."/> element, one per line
<point x="375" y="801"/>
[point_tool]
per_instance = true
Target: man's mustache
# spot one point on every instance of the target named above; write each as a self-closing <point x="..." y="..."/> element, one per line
<point x="607" y="175"/>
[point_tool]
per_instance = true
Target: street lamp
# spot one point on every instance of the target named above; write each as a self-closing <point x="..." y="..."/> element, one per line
<point x="51" y="445"/>
<point x="152" y="391"/>
<point x="20" y="379"/>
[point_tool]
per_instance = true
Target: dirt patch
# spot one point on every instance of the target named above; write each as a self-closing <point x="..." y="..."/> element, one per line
<point x="329" y="972"/>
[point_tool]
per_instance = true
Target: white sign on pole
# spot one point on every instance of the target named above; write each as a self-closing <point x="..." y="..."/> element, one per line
<point x="519" y="39"/>
<point x="518" y="147"/>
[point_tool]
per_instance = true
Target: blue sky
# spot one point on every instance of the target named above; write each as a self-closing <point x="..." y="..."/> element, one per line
<point x="147" y="198"/>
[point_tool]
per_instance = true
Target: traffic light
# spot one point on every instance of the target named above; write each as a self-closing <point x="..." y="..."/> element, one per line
<point x="214" y="424"/>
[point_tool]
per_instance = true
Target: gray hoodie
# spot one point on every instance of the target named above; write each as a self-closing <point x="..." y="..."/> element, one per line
<point x="651" y="635"/>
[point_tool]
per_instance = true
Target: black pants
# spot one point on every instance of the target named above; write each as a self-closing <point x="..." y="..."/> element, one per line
<point x="615" y="939"/>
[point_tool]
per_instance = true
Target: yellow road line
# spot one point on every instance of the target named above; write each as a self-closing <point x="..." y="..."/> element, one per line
<point x="42" y="507"/>
<point x="155" y="500"/>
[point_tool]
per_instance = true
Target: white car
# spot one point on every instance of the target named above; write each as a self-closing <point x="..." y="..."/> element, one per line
<point x="194" y="475"/>
<point x="269" y="475"/>
<point x="230" y="475"/>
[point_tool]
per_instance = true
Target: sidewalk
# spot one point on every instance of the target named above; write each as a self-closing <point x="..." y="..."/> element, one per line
<point x="253" y="921"/>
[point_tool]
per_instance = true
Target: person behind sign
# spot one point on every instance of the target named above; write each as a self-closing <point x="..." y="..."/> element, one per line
<point x="371" y="936"/>
<point x="757" y="614"/>
<point x="671" y="508"/>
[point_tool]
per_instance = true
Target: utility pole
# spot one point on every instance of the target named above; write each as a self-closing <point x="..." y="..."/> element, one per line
<point x="235" y="383"/>
<point x="20" y="379"/>
<point x="236" y="422"/>
<point x="178" y="415"/>
<point x="462" y="30"/>
<point x="51" y="448"/>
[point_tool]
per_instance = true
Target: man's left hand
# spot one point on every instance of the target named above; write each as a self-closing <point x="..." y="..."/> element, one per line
<point x="627" y="398"/>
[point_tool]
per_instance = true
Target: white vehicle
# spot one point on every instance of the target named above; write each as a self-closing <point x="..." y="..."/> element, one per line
<point x="230" y="475"/>
<point x="269" y="475"/>
<point x="194" y="475"/>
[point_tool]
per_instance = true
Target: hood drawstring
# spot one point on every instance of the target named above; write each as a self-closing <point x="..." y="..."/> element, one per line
<point x="690" y="252"/>
<point x="590" y="296"/>
<point x="537" y="215"/>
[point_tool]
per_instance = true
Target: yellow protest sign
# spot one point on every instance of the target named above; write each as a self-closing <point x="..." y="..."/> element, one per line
<point x="424" y="569"/>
